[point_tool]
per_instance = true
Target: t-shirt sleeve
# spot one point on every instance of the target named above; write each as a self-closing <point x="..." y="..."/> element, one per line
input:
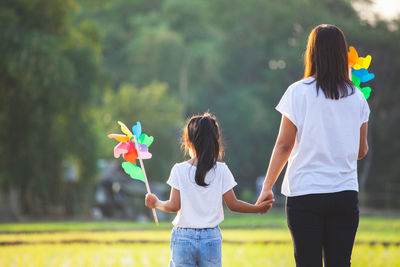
<point x="228" y="181"/>
<point x="286" y="105"/>
<point x="173" y="179"/>
<point x="365" y="111"/>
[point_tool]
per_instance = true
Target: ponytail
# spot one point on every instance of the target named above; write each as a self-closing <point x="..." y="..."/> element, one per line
<point x="203" y="133"/>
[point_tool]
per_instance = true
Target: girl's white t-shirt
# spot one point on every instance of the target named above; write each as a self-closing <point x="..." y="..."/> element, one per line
<point x="324" y="156"/>
<point x="201" y="207"/>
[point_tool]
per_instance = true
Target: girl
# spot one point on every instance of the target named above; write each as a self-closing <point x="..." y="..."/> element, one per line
<point x="197" y="189"/>
<point x="323" y="133"/>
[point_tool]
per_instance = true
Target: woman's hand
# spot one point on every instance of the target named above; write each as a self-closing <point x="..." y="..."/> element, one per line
<point x="265" y="195"/>
<point x="151" y="200"/>
<point x="265" y="206"/>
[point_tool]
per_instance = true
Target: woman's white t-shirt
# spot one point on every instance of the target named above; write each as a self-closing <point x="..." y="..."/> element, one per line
<point x="201" y="207"/>
<point x="324" y="156"/>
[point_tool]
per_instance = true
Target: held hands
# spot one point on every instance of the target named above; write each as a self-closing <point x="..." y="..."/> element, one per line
<point x="265" y="206"/>
<point x="151" y="201"/>
<point x="266" y="196"/>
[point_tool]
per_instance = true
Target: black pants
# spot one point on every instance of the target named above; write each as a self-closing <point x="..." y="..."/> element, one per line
<point x="323" y="226"/>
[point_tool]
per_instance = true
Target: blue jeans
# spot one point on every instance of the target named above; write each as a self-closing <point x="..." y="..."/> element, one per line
<point x="196" y="247"/>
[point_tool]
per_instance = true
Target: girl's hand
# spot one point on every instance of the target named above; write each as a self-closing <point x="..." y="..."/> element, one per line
<point x="151" y="200"/>
<point x="265" y="206"/>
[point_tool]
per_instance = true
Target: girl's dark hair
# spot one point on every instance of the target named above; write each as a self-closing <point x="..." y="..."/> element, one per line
<point x="326" y="59"/>
<point x="203" y="133"/>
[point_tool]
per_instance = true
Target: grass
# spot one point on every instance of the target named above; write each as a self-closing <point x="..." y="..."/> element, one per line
<point x="275" y="220"/>
<point x="158" y="255"/>
<point x="249" y="240"/>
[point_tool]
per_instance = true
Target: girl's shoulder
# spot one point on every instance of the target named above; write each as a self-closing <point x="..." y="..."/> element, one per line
<point x="182" y="166"/>
<point x="221" y="167"/>
<point x="185" y="166"/>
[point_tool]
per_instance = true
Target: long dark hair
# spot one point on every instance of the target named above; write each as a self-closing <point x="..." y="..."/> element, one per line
<point x="203" y="134"/>
<point x="326" y="60"/>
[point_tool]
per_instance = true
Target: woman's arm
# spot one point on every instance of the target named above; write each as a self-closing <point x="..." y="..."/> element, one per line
<point x="171" y="205"/>
<point x="237" y="205"/>
<point x="363" y="150"/>
<point x="283" y="147"/>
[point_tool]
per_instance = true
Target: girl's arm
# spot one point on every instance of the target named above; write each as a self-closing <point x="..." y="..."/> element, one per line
<point x="363" y="150"/>
<point x="237" y="205"/>
<point x="283" y="147"/>
<point x="171" y="205"/>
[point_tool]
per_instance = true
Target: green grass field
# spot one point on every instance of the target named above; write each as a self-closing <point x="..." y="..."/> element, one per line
<point x="248" y="241"/>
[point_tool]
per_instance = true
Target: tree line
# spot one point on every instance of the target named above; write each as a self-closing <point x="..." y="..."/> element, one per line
<point x="71" y="69"/>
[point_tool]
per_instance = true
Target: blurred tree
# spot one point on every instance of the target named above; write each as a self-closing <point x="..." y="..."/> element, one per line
<point x="122" y="23"/>
<point x="170" y="41"/>
<point x="379" y="172"/>
<point x="48" y="74"/>
<point x="163" y="60"/>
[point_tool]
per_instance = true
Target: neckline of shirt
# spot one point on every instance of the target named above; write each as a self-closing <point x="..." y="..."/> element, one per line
<point x="191" y="165"/>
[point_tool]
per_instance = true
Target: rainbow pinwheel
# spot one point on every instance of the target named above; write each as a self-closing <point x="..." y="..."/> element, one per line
<point x="128" y="146"/>
<point x="359" y="70"/>
<point x="134" y="146"/>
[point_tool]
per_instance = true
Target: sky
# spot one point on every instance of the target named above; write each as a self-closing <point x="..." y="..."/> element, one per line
<point x="388" y="9"/>
<point x="385" y="9"/>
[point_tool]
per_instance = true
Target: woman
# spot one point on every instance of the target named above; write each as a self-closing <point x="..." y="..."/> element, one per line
<point x="323" y="133"/>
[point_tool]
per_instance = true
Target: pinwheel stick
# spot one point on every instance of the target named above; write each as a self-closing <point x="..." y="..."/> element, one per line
<point x="145" y="176"/>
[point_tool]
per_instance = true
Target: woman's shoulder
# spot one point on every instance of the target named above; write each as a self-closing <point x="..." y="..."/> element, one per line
<point x="221" y="164"/>
<point x="302" y="86"/>
<point x="360" y="96"/>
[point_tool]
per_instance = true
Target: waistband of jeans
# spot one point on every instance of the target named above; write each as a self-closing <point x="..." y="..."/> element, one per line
<point x="201" y="233"/>
<point x="198" y="229"/>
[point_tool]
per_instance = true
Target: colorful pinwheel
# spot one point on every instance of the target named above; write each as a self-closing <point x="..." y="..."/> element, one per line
<point x="359" y="70"/>
<point x="128" y="148"/>
<point x="132" y="147"/>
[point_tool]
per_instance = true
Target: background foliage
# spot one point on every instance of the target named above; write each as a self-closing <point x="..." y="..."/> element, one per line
<point x="71" y="69"/>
